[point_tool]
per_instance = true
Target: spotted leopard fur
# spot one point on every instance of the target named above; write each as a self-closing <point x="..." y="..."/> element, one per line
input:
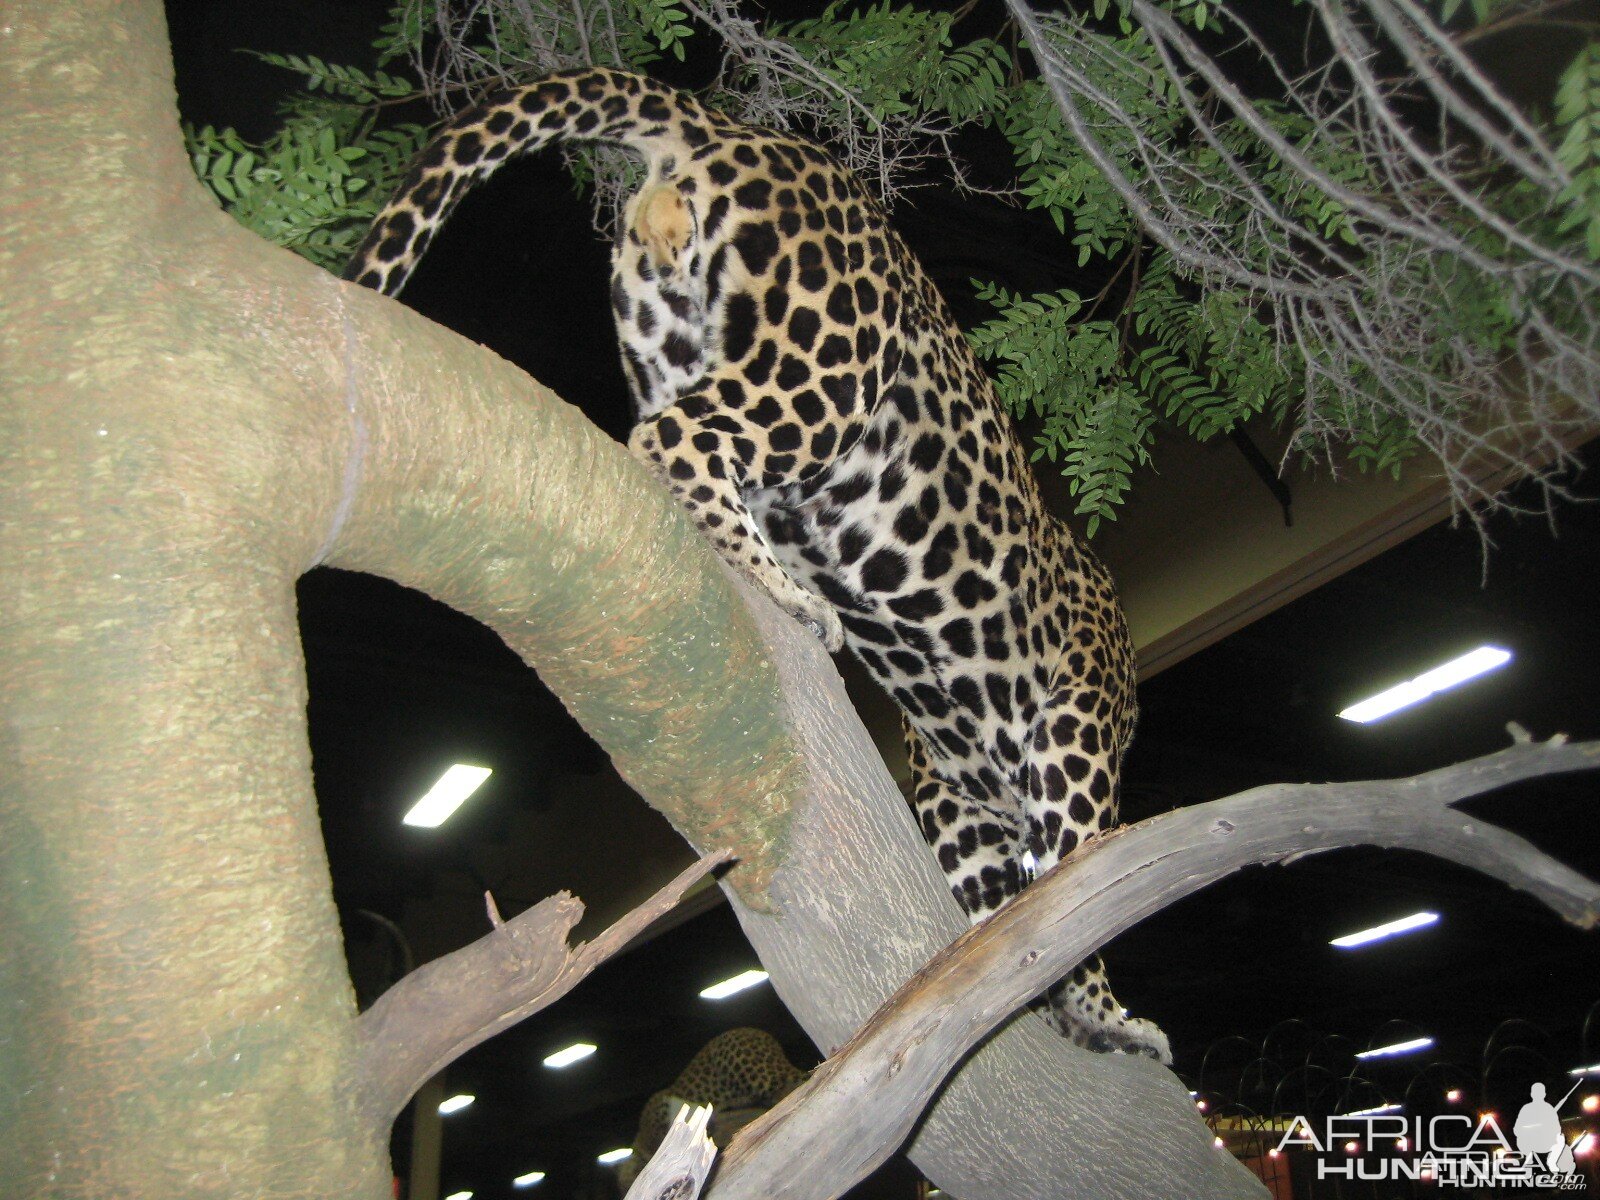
<point x="740" y="1073"/>
<point x="803" y="390"/>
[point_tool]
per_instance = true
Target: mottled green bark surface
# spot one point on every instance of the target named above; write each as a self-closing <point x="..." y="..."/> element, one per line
<point x="190" y="419"/>
<point x="590" y="573"/>
<point x="176" y="998"/>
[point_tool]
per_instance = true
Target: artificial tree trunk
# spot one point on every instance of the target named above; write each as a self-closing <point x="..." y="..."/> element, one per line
<point x="192" y="419"/>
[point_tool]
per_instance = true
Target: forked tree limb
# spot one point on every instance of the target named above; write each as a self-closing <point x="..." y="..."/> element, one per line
<point x="861" y="1104"/>
<point x="445" y="1007"/>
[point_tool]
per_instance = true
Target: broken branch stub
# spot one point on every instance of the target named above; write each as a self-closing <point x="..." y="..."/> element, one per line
<point x="446" y="1007"/>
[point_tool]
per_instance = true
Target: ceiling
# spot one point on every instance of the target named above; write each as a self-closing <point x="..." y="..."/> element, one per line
<point x="402" y="686"/>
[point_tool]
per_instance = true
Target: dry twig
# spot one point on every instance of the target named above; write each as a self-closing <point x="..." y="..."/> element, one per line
<point x="446" y="1007"/>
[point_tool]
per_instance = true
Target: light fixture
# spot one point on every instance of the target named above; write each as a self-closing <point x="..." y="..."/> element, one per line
<point x="1590" y="1104"/>
<point x="615" y="1156"/>
<point x="728" y="987"/>
<point x="1390" y="1051"/>
<point x="1453" y="1096"/>
<point x="1217" y="1142"/>
<point x="1583" y="1146"/>
<point x="1446" y="675"/>
<point x="528" y="1180"/>
<point x="1376" y="1110"/>
<point x="573" y="1053"/>
<point x="455" y="1104"/>
<point x="467" y="1195"/>
<point x="1388" y="929"/>
<point x="1352" y="1146"/>
<point x="1591" y="1069"/>
<point x="444" y="797"/>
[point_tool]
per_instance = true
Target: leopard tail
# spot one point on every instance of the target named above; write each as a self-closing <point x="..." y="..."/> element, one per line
<point x="588" y="104"/>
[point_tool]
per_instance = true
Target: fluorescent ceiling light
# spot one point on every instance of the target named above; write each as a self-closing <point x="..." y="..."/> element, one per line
<point x="1387" y="930"/>
<point x="444" y="797"/>
<point x="615" y="1156"/>
<point x="741" y="981"/>
<point x="573" y="1053"/>
<point x="1376" y="1110"/>
<point x="528" y="1180"/>
<point x="1457" y="670"/>
<point x="1591" y="1069"/>
<point x="1410" y="1047"/>
<point x="454" y="1104"/>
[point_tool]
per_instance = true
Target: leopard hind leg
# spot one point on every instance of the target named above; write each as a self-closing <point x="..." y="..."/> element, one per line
<point x="1070" y="776"/>
<point x="978" y="847"/>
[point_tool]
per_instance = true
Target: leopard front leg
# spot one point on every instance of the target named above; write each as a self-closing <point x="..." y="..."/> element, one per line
<point x="701" y="454"/>
<point x="1073" y="758"/>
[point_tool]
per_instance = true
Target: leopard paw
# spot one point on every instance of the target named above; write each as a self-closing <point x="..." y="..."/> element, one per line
<point x="827" y="629"/>
<point x="1129" y="1035"/>
<point x="811" y="611"/>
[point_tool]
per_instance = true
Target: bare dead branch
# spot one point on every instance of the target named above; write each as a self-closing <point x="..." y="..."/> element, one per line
<point x="1372" y="313"/>
<point x="861" y="1104"/>
<point x="446" y="1007"/>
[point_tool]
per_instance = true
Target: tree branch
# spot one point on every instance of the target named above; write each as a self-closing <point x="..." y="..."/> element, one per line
<point x="863" y="1102"/>
<point x="446" y="1007"/>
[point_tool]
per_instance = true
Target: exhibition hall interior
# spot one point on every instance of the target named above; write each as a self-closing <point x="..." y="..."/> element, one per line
<point x="1269" y="594"/>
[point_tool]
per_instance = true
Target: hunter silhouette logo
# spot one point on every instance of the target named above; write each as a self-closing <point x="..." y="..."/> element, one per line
<point x="1538" y="1133"/>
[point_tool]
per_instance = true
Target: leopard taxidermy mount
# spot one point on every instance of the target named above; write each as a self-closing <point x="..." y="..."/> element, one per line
<point x="806" y="395"/>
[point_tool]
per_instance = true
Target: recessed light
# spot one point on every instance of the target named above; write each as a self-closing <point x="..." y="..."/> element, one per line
<point x="528" y="1180"/>
<point x="573" y="1053"/>
<point x="454" y="1104"/>
<point x="444" y="797"/>
<point x="729" y="987"/>
<point x="615" y="1156"/>
<point x="1387" y="930"/>
<point x="1390" y="1051"/>
<point x="1412" y="691"/>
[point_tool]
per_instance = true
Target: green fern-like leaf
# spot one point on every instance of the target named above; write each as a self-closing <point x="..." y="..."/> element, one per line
<point x="314" y="187"/>
<point x="351" y="83"/>
<point x="1578" y="115"/>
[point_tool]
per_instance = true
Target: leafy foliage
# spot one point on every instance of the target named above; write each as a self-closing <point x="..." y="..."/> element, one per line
<point x="1096" y="425"/>
<point x="898" y="60"/>
<point x="1578" y="113"/>
<point x="314" y="186"/>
